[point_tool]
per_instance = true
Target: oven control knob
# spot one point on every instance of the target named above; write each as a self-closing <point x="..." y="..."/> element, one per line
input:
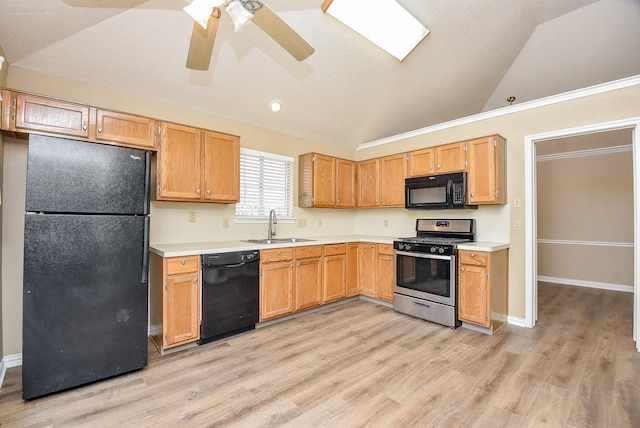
<point x="441" y="250"/>
<point x="433" y="249"/>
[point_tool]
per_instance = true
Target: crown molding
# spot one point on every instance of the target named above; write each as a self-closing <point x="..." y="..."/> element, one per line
<point x="554" y="99"/>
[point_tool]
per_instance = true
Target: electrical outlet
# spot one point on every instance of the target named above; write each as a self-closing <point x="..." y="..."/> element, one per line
<point x="302" y="222"/>
<point x="192" y="216"/>
<point x="225" y="223"/>
<point x="517" y="225"/>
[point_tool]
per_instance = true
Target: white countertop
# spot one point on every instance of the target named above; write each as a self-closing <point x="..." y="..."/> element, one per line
<point x="196" y="248"/>
<point x="484" y="246"/>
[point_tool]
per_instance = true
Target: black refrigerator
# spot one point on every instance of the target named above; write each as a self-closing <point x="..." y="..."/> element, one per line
<point x="85" y="291"/>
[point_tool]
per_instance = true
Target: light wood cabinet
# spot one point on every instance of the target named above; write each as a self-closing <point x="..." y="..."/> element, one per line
<point x="385" y="272"/>
<point x="367" y="181"/>
<point x="181" y="301"/>
<point x="308" y="277"/>
<point x="197" y="165"/>
<point x="450" y="158"/>
<point x="221" y="164"/>
<point x="123" y="128"/>
<point x="334" y="276"/>
<point x="28" y="113"/>
<point x="353" y="284"/>
<point x="483" y="288"/>
<point x="24" y="112"/>
<point x="393" y="171"/>
<point x="326" y="181"/>
<point x="420" y="163"/>
<point x="487" y="170"/>
<point x="276" y="283"/>
<point x="367" y="278"/>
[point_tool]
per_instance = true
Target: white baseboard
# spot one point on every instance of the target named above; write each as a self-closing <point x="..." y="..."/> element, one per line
<point x="3" y="372"/>
<point x="14" y="360"/>
<point x="589" y="284"/>
<point x="517" y="321"/>
<point x="155" y="329"/>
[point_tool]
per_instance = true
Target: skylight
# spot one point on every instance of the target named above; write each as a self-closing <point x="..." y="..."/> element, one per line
<point x="383" y="22"/>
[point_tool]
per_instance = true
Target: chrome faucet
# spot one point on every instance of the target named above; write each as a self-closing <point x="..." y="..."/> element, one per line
<point x="272" y="222"/>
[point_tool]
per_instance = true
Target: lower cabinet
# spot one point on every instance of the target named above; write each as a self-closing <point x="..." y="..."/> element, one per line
<point x="384" y="270"/>
<point x="483" y="288"/>
<point x="334" y="275"/>
<point x="276" y="283"/>
<point x="308" y="280"/>
<point x="179" y="299"/>
<point x="367" y="278"/>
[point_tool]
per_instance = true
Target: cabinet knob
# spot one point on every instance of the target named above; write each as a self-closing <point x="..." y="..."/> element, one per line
<point x="438" y="166"/>
<point x="99" y="130"/>
<point x="208" y="191"/>
<point x="461" y="268"/>
<point x="472" y="195"/>
<point x="183" y="262"/>
<point x="198" y="191"/>
<point x="84" y="127"/>
<point x="195" y="279"/>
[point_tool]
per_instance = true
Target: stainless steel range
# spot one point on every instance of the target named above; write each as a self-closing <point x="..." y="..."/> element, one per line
<point x="425" y="269"/>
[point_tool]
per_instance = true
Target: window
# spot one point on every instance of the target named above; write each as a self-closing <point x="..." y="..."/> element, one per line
<point x="266" y="182"/>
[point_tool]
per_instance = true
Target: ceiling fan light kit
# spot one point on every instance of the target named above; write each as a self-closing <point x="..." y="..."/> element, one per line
<point x="383" y="22"/>
<point x="207" y="15"/>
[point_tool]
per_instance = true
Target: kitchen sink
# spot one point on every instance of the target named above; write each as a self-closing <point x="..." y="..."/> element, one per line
<point x="278" y="240"/>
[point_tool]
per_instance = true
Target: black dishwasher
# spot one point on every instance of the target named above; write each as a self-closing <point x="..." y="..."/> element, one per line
<point x="230" y="294"/>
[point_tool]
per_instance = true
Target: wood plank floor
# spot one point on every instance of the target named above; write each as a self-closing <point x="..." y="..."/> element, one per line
<point x="361" y="364"/>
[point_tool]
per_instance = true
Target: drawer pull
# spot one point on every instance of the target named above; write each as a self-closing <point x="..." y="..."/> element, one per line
<point x="183" y="262"/>
<point x="472" y="255"/>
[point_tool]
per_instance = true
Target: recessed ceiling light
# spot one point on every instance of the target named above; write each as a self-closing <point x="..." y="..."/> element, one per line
<point x="275" y="106"/>
<point x="384" y="22"/>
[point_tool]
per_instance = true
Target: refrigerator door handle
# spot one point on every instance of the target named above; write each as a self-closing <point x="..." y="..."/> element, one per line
<point x="145" y="252"/>
<point x="147" y="184"/>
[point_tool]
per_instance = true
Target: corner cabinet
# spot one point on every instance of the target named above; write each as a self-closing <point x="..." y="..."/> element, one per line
<point x="483" y="288"/>
<point x="197" y="165"/>
<point x="326" y="181"/>
<point x="487" y="170"/>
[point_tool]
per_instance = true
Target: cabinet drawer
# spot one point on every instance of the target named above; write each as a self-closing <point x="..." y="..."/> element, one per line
<point x="385" y="249"/>
<point x="475" y="258"/>
<point x="309" y="252"/>
<point x="332" y="250"/>
<point x="177" y="265"/>
<point x="276" y="255"/>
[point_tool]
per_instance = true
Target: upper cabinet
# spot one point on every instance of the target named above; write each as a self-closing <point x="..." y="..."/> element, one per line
<point x="487" y="171"/>
<point x="197" y="165"/>
<point x="420" y="163"/>
<point x="326" y="181"/>
<point x="368" y="183"/>
<point x="126" y="129"/>
<point x="450" y="158"/>
<point x="27" y="113"/>
<point x="393" y="171"/>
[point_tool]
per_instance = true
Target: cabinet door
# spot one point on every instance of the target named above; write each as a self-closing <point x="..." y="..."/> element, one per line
<point x="308" y="283"/>
<point x="367" y="269"/>
<point x="345" y="183"/>
<point x="393" y="171"/>
<point x="420" y="163"/>
<point x="385" y="277"/>
<point x="486" y="171"/>
<point x="353" y="284"/>
<point x="181" y="309"/>
<point x="48" y="115"/>
<point x="127" y="129"/>
<point x="179" y="163"/>
<point x="221" y="167"/>
<point x="367" y="193"/>
<point x="473" y="295"/>
<point x="324" y="181"/>
<point x="334" y="277"/>
<point x="276" y="290"/>
<point x="450" y="158"/>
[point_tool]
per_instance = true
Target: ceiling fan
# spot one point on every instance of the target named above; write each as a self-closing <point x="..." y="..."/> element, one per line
<point x="207" y="14"/>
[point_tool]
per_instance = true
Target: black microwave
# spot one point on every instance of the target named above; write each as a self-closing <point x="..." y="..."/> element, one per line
<point x="437" y="192"/>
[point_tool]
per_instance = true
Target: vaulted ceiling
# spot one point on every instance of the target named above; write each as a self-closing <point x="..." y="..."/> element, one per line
<point x="349" y="91"/>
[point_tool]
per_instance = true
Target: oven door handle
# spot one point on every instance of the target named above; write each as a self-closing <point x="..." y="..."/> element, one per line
<point x="423" y="256"/>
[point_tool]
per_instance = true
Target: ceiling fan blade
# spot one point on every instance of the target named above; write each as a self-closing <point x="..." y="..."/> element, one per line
<point x="282" y="33"/>
<point x="201" y="45"/>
